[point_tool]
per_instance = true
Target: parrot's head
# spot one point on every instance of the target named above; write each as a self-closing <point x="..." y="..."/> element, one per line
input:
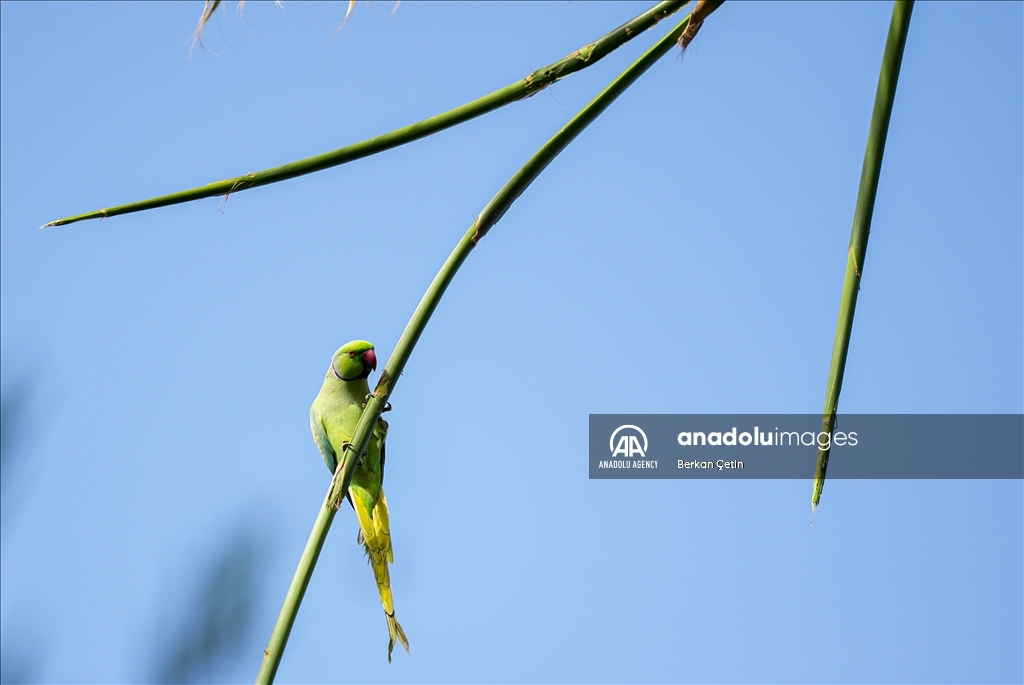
<point x="354" y="360"/>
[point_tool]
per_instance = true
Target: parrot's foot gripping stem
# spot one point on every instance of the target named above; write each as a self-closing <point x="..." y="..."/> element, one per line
<point x="387" y="405"/>
<point x="346" y="446"/>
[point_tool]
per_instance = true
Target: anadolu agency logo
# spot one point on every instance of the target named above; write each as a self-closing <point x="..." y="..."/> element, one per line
<point x="628" y="444"/>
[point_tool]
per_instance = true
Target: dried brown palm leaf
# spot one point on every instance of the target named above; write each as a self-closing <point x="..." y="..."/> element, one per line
<point x="352" y="6"/>
<point x="208" y="9"/>
<point x="697" y="17"/>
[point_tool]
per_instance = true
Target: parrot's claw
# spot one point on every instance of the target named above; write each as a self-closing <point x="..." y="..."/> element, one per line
<point x="387" y="405"/>
<point x="345" y="445"/>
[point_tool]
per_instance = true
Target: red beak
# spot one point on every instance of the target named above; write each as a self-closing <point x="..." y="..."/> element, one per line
<point x="370" y="358"/>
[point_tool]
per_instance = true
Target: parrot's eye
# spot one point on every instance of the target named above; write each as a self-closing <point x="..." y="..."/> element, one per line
<point x="351" y="353"/>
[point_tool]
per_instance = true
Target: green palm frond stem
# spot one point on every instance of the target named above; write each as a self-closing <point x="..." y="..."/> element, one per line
<point x="490" y="215"/>
<point x="884" y="98"/>
<point x="541" y="78"/>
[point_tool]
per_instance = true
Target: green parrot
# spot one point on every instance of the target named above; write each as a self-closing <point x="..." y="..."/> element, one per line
<point x="333" y="418"/>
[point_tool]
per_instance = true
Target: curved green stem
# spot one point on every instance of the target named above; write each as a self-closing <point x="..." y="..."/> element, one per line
<point x="885" y="95"/>
<point x="534" y="83"/>
<point x="290" y="609"/>
<point x="414" y="329"/>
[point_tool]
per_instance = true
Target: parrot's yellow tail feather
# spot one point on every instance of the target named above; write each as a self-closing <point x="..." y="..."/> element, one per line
<point x="395" y="631"/>
<point x="375" y="537"/>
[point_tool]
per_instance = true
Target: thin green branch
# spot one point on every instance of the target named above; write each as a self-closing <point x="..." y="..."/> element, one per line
<point x="884" y="97"/>
<point x="389" y="376"/>
<point x="534" y="83"/>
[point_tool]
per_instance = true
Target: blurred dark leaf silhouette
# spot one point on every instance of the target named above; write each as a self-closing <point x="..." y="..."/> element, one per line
<point x="12" y="410"/>
<point x="219" y="616"/>
<point x="14" y="433"/>
<point x="21" y="659"/>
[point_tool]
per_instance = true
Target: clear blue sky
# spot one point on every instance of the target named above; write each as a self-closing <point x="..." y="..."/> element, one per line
<point x="685" y="254"/>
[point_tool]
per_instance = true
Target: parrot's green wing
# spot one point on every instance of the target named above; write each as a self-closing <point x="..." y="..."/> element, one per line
<point x="322" y="441"/>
